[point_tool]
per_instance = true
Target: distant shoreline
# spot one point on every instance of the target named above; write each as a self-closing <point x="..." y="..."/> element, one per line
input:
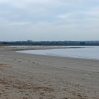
<point x="19" y="48"/>
<point x="50" y="43"/>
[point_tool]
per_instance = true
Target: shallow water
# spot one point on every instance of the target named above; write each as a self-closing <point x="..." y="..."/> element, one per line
<point x="87" y="52"/>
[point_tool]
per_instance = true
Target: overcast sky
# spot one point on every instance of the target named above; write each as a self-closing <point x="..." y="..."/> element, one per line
<point x="49" y="20"/>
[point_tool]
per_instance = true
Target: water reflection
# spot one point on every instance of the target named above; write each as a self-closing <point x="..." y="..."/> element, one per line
<point x="87" y="52"/>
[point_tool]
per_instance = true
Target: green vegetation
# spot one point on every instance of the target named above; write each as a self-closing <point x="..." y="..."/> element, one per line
<point x="51" y="43"/>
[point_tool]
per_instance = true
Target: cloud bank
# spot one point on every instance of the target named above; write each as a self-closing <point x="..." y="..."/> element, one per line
<point x="49" y="19"/>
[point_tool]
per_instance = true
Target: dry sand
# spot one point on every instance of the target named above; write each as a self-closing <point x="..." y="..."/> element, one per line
<point x="25" y="76"/>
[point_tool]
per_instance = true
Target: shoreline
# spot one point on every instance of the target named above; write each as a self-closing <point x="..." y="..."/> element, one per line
<point x="26" y="76"/>
<point x="19" y="48"/>
<point x="48" y="53"/>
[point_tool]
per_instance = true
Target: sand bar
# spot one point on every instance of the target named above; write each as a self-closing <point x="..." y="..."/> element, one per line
<point x="26" y="76"/>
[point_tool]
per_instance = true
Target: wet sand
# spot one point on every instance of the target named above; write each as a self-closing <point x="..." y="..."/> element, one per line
<point x="26" y="76"/>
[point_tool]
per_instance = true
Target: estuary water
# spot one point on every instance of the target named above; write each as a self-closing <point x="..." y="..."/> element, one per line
<point x="88" y="52"/>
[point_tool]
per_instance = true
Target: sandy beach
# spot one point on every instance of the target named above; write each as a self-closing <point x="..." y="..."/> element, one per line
<point x="26" y="76"/>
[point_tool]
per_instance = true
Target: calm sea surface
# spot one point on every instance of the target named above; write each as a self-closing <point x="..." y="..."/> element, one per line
<point x="91" y="52"/>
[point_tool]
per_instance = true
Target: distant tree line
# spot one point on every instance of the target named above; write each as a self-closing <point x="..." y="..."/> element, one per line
<point x="50" y="43"/>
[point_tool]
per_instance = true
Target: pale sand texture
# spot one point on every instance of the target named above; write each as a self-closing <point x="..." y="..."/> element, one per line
<point x="24" y="76"/>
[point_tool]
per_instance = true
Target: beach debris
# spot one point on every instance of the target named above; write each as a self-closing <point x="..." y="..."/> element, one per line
<point x="87" y="75"/>
<point x="2" y="65"/>
<point x="64" y="98"/>
<point x="40" y="97"/>
<point x="25" y="98"/>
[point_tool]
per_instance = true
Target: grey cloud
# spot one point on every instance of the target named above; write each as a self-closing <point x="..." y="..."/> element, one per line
<point x="36" y="19"/>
